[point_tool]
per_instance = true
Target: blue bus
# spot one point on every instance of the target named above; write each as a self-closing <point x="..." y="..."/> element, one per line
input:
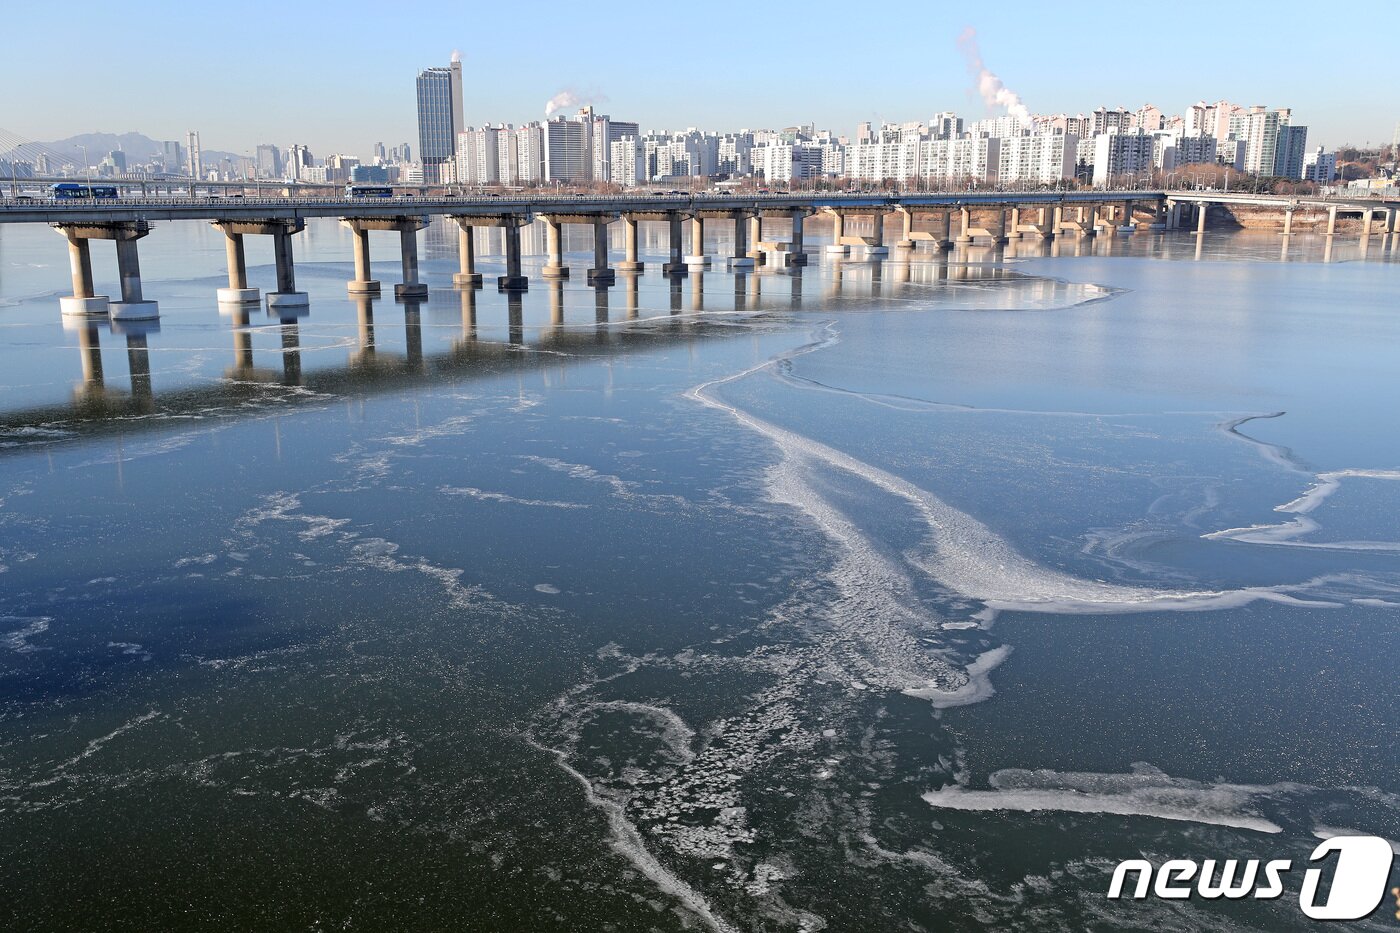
<point x="68" y="189"/>
<point x="368" y="191"/>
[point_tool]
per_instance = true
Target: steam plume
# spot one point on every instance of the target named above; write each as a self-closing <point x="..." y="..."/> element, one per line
<point x="993" y="92"/>
<point x="456" y="56"/>
<point x="560" y="101"/>
<point x="572" y="98"/>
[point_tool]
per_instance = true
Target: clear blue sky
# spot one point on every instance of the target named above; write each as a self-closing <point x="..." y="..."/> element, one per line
<point x="339" y="76"/>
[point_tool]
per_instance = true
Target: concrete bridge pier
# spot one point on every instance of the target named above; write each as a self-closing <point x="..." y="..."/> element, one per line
<point x="755" y="252"/>
<point x="1090" y="217"/>
<point x="82" y="301"/>
<point x="630" y="263"/>
<point x="1125" y="218"/>
<point x="799" y="255"/>
<point x="1368" y="217"/>
<point x="286" y="296"/>
<point x="554" y="267"/>
<point x="600" y="274"/>
<point x="964" y="234"/>
<point x="675" y="264"/>
<point x="1013" y="229"/>
<point x="1287" y="221"/>
<point x="697" y="255"/>
<point x="1332" y="220"/>
<point x="1202" y="209"/>
<point x="132" y="307"/>
<point x="944" y="239"/>
<point x="838" y="233"/>
<point x="1049" y="224"/>
<point x="466" y="275"/>
<point x="906" y="239"/>
<point x="238" y="290"/>
<point x="362" y="284"/>
<point x="513" y="280"/>
<point x="741" y="258"/>
<point x="999" y="231"/>
<point x="411" y="286"/>
<point x="877" y="235"/>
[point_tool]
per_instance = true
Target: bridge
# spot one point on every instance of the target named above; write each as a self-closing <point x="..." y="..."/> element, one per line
<point x="942" y="221"/>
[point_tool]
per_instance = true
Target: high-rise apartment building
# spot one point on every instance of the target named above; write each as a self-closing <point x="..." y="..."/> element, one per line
<point x="1111" y="121"/>
<point x="1173" y="150"/>
<point x="439" y="120"/>
<point x="1262" y="130"/>
<point x="1320" y="166"/>
<point x="478" y="155"/>
<point x="1290" y="151"/>
<point x="1121" y="154"/>
<point x="299" y="163"/>
<point x="955" y="163"/>
<point x="1037" y="158"/>
<point x="627" y="162"/>
<point x="567" y="150"/>
<point x="1148" y="118"/>
<point x="945" y="125"/>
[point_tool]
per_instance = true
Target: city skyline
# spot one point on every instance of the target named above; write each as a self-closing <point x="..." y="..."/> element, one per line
<point x="879" y="73"/>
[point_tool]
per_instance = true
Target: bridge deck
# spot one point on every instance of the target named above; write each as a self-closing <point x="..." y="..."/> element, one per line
<point x="212" y="209"/>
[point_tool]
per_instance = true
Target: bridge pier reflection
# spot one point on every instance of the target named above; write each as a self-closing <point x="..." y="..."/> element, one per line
<point x="290" y="332"/>
<point x="632" y="292"/>
<point x="515" y="317"/>
<point x="413" y="332"/>
<point x="601" y="311"/>
<point x="365" y="352"/>
<point x="556" y="302"/>
<point x="92" y="388"/>
<point x="468" y="297"/>
<point x="138" y="359"/>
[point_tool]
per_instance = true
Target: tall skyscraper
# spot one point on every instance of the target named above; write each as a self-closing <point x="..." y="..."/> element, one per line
<point x="269" y="161"/>
<point x="170" y="157"/>
<point x="439" y="119"/>
<point x="196" y="166"/>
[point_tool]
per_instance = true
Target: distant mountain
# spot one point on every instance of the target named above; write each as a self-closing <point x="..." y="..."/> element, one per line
<point x="137" y="146"/>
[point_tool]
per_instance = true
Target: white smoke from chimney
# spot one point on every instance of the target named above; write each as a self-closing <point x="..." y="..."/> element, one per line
<point x="456" y="56"/>
<point x="560" y="101"/>
<point x="989" y="86"/>
<point x="572" y="98"/>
